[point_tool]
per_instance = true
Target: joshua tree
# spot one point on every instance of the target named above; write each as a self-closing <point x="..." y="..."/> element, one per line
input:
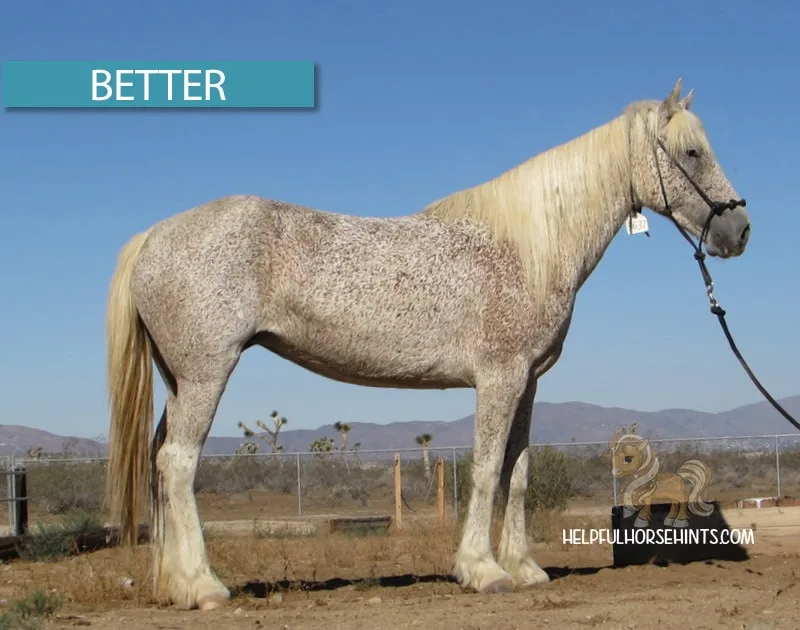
<point x="322" y="445"/>
<point x="343" y="430"/>
<point x="35" y="453"/>
<point x="357" y="453"/>
<point x="271" y="436"/>
<point x="247" y="448"/>
<point x="424" y="441"/>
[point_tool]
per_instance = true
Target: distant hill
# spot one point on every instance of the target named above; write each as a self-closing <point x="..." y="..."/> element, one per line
<point x="553" y="422"/>
<point x="17" y="439"/>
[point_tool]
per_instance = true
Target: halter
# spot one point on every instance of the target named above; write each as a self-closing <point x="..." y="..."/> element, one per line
<point x="716" y="208"/>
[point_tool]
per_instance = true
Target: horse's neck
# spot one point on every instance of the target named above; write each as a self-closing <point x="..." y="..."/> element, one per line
<point x="605" y="223"/>
<point x="598" y="217"/>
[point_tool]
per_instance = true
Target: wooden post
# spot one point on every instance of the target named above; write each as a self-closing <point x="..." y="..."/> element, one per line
<point x="398" y="497"/>
<point x="18" y="500"/>
<point x="440" y="489"/>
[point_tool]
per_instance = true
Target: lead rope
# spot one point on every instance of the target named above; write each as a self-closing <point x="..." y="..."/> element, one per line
<point x="700" y="257"/>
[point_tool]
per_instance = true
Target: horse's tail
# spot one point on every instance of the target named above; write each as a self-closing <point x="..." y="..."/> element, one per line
<point x="698" y="474"/>
<point x="130" y="391"/>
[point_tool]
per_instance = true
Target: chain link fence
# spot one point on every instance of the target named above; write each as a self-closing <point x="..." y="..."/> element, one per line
<point x="571" y="476"/>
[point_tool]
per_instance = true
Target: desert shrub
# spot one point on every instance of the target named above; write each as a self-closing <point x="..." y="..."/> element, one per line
<point x="591" y="476"/>
<point x="334" y="481"/>
<point x="551" y="475"/>
<point x="416" y="487"/>
<point x="30" y="613"/>
<point x="61" y="487"/>
<point x="232" y="475"/>
<point x="343" y="491"/>
<point x="326" y="477"/>
<point x="53" y="541"/>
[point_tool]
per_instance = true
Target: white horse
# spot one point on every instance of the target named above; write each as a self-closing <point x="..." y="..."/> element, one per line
<point x="475" y="291"/>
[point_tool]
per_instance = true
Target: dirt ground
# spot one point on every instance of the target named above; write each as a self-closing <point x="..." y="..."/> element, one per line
<point x="329" y="581"/>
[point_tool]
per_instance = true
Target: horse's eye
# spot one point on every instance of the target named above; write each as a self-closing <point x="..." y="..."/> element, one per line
<point x="692" y="153"/>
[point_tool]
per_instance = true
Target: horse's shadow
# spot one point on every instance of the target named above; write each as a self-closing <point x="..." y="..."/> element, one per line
<point x="262" y="589"/>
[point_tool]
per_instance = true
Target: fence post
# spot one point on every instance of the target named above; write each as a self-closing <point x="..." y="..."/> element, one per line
<point x="18" y="499"/>
<point x="398" y="489"/>
<point x="440" y="489"/>
<point x="299" y="486"/>
<point x="455" y="484"/>
<point x="777" y="469"/>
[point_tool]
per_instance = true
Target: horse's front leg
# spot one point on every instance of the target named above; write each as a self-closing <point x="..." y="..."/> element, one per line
<point x="498" y="393"/>
<point x="514" y="553"/>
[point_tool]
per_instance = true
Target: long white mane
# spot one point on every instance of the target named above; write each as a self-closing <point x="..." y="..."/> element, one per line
<point x="547" y="206"/>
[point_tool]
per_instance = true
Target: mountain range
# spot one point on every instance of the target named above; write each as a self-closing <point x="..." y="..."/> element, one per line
<point x="552" y="423"/>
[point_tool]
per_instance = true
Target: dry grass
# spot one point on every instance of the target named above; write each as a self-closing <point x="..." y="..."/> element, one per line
<point x="119" y="577"/>
<point x="328" y="580"/>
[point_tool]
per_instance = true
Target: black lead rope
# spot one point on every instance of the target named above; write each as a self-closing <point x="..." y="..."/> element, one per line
<point x="716" y="209"/>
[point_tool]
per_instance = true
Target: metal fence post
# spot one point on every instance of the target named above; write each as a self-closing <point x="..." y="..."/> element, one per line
<point x="10" y="495"/>
<point x="455" y="484"/>
<point x="299" y="486"/>
<point x="18" y="499"/>
<point x="778" y="468"/>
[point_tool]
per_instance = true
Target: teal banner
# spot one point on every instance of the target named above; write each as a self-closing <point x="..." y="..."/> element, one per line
<point x="158" y="84"/>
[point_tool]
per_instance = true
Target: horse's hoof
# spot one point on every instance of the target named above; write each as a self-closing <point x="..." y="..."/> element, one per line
<point x="483" y="576"/>
<point x="529" y="574"/>
<point x="213" y="598"/>
<point x="212" y="603"/>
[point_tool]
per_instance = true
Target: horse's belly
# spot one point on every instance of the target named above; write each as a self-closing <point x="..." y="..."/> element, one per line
<point x="370" y="360"/>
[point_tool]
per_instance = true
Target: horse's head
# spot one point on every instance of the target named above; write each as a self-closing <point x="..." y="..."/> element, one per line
<point x="629" y="454"/>
<point x="675" y="159"/>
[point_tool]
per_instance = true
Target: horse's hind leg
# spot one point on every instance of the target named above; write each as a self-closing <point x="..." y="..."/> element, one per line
<point x="514" y="554"/>
<point x="182" y="571"/>
<point x="498" y="395"/>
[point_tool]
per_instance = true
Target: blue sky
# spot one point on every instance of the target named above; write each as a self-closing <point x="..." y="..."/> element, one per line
<point x="417" y="99"/>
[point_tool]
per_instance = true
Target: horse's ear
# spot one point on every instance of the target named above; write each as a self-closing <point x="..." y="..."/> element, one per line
<point x="671" y="102"/>
<point x="686" y="101"/>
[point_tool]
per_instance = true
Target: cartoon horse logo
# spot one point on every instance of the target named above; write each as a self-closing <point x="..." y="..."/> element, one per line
<point x="634" y="458"/>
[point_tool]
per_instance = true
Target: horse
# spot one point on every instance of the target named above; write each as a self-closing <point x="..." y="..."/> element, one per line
<point x="634" y="457"/>
<point x="475" y="290"/>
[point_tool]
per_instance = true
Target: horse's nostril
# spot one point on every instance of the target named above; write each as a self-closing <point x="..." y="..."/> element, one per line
<point x="745" y="233"/>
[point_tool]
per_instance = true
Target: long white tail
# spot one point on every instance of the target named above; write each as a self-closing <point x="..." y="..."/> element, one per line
<point x="130" y="390"/>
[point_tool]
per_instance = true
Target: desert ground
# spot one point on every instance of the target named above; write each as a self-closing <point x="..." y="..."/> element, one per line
<point x="309" y="577"/>
<point x="317" y="579"/>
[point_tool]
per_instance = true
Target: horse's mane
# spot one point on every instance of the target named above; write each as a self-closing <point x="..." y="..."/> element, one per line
<point x="546" y="206"/>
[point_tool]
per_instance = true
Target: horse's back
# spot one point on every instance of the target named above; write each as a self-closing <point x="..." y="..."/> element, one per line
<point x="409" y="293"/>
